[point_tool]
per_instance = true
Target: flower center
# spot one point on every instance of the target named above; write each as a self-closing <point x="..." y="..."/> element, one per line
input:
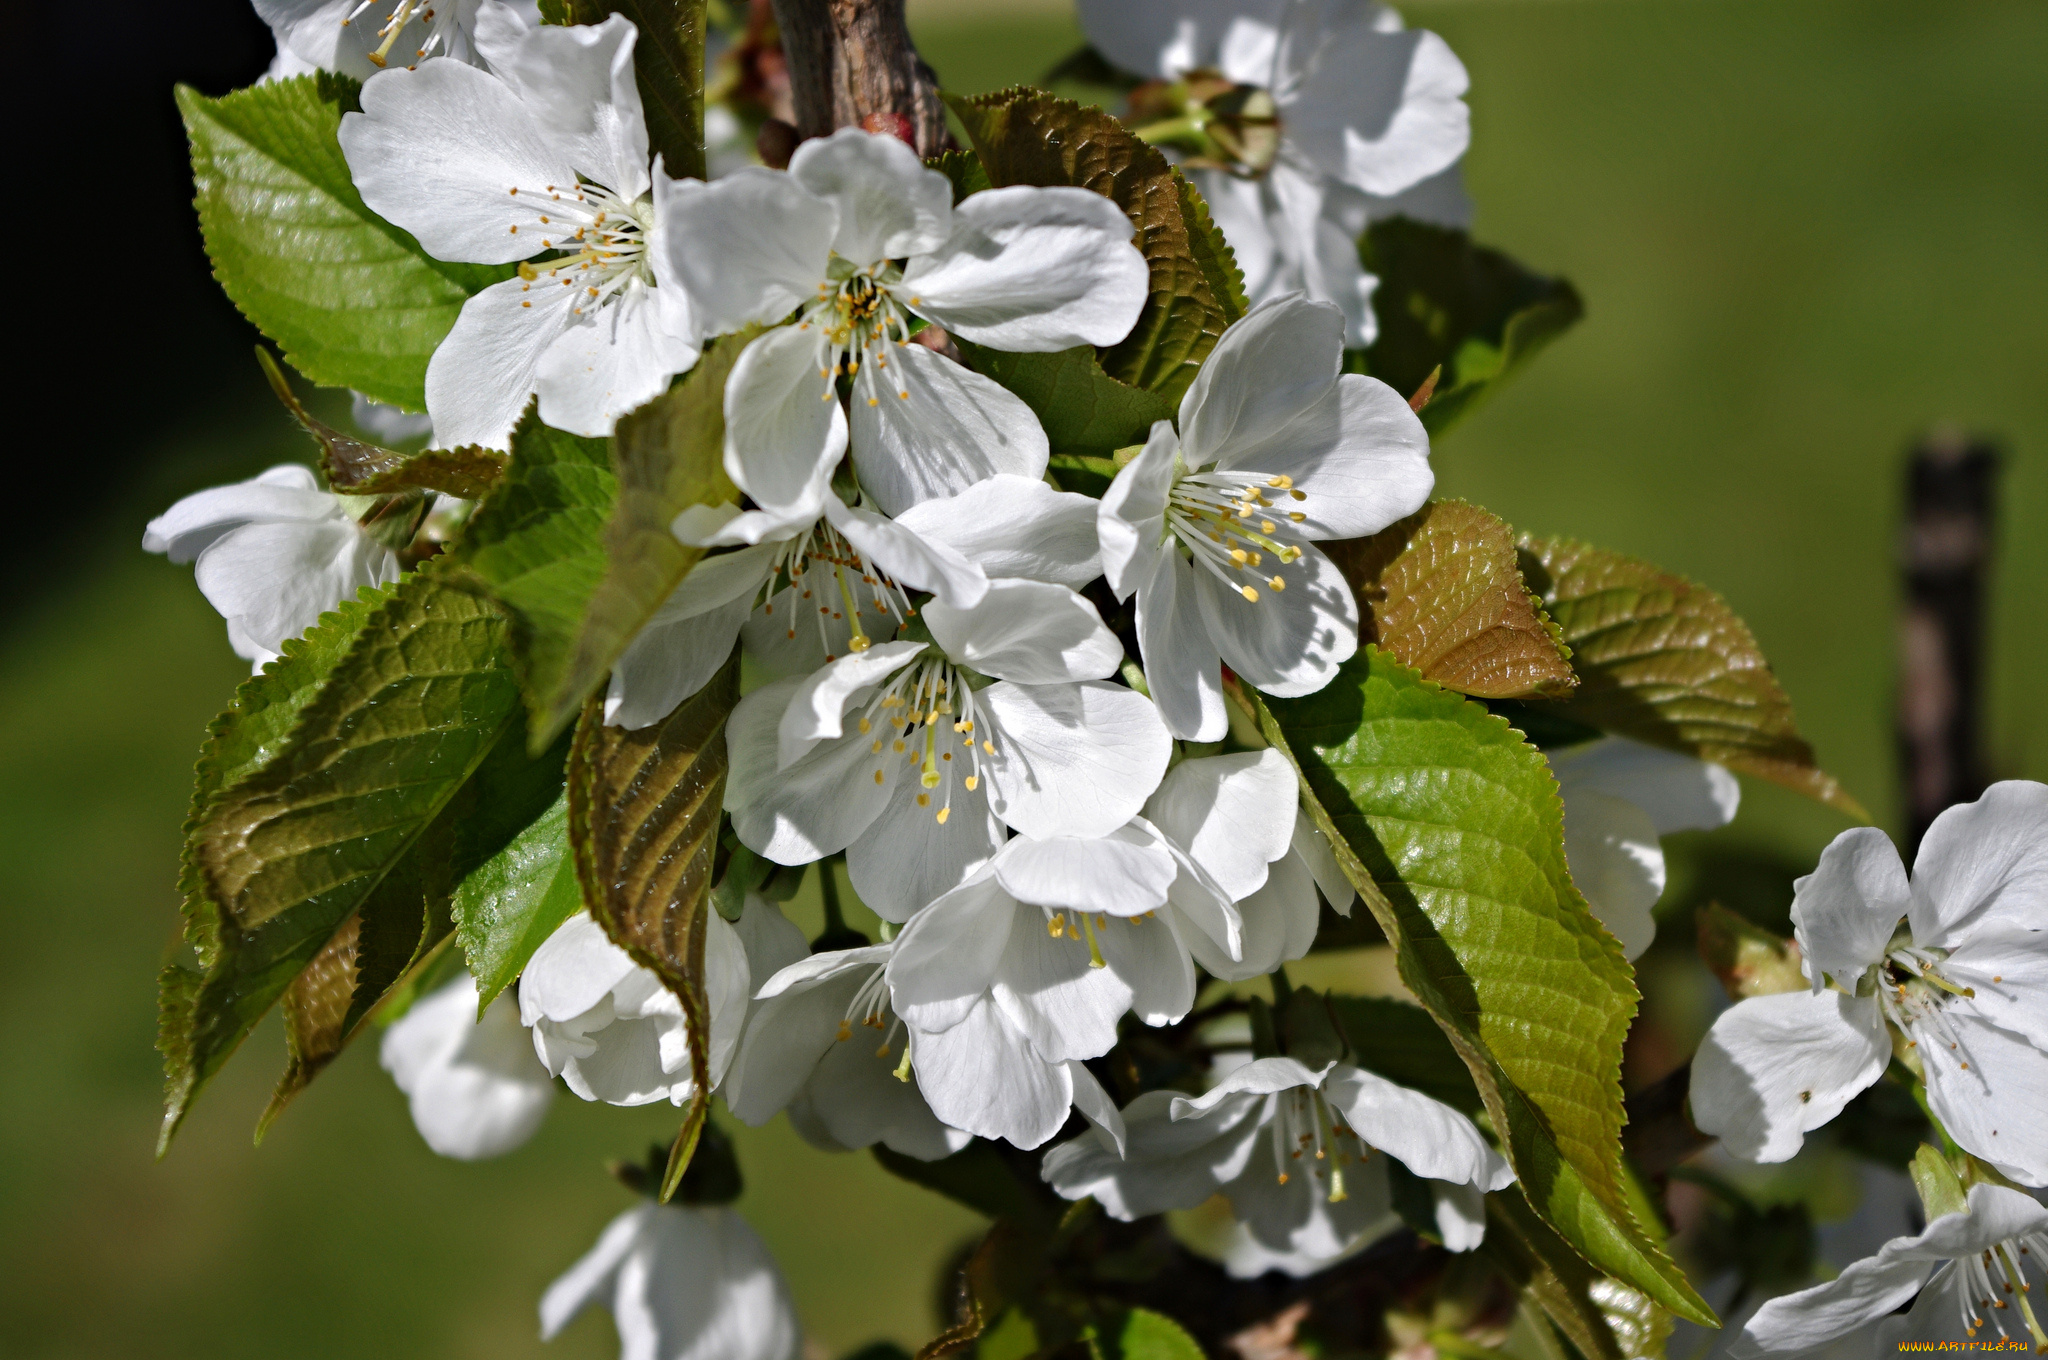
<point x="604" y="237"/>
<point x="403" y="13"/>
<point x="1213" y="122"/>
<point x="1915" y="986"/>
<point x="1229" y="526"/>
<point x="870" y="1008"/>
<point x="1081" y="925"/>
<point x="912" y="721"/>
<point x="856" y="315"/>
<point x="1304" y="1125"/>
<point x="823" y="568"/>
<point x="1993" y="1280"/>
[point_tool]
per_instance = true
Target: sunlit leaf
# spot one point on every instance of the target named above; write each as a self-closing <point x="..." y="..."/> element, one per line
<point x="1666" y="662"/>
<point x="1441" y="592"/>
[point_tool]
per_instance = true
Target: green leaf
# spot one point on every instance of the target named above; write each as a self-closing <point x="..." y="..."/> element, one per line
<point x="1666" y="662"/>
<point x="1026" y="136"/>
<point x="1549" y="1274"/>
<point x="668" y="66"/>
<point x="352" y="300"/>
<point x="1941" y="1189"/>
<point x="1141" y="1334"/>
<point x="1450" y="826"/>
<point x="643" y="825"/>
<point x="511" y="903"/>
<point x="359" y="469"/>
<point x="964" y="169"/>
<point x="1083" y="409"/>
<point x="286" y="855"/>
<point x="1444" y="301"/>
<point x="1441" y="591"/>
<point x="576" y="541"/>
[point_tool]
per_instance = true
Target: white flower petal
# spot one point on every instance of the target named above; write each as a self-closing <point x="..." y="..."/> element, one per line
<point x="621" y="356"/>
<point x="1032" y="270"/>
<point x="483" y="373"/>
<point x="982" y="1076"/>
<point x="1148" y="956"/>
<point x="793" y="634"/>
<point x="2006" y="963"/>
<point x="1125" y="873"/>
<point x="1072" y="759"/>
<point x="1775" y="1067"/>
<point x="817" y="707"/>
<point x="1997" y="1106"/>
<point x="1987" y="858"/>
<point x="908" y="858"/>
<point x="438" y="149"/>
<point x="1359" y="459"/>
<point x="1460" y="1215"/>
<point x="784" y="431"/>
<point x="1131" y="522"/>
<point x="889" y="205"/>
<point x="474" y="1086"/>
<point x="947" y="956"/>
<point x="1844" y="912"/>
<point x="591" y="1279"/>
<point x="690" y="636"/>
<point x="1014" y="526"/>
<point x="1260" y="1077"/>
<point x="1611" y="847"/>
<point x="283" y="493"/>
<point x="1428" y="1136"/>
<point x="1233" y="814"/>
<point x="773" y="242"/>
<point x="1321" y="860"/>
<point x="1270" y="368"/>
<point x="1382" y="110"/>
<point x="1096" y="1107"/>
<point x="1048" y="988"/>
<point x="1182" y="668"/>
<point x="792" y="1029"/>
<point x="908" y="556"/>
<point x="1287" y="642"/>
<point x="274" y="581"/>
<point x="573" y="970"/>
<point x="579" y="84"/>
<point x="1280" y="921"/>
<point x="856" y="1095"/>
<point x="1029" y="632"/>
<point x="812" y="809"/>
<point x="1677" y="792"/>
<point x="1166" y="1163"/>
<point x="924" y="426"/>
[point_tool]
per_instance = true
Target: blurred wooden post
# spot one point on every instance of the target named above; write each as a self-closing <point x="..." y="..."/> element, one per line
<point x="1944" y="558"/>
<point x="852" y="64"/>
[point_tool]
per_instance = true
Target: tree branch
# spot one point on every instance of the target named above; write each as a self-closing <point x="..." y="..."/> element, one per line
<point x="850" y="60"/>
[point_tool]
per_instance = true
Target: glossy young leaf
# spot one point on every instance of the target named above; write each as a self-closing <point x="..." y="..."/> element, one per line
<point x="1549" y="1275"/>
<point x="668" y="66"/>
<point x="1026" y="136"/>
<point x="285" y="856"/>
<point x="352" y="300"/>
<point x="1441" y="592"/>
<point x="1443" y="301"/>
<point x="1451" y="828"/>
<point x="510" y="904"/>
<point x="643" y="824"/>
<point x="1666" y="662"/>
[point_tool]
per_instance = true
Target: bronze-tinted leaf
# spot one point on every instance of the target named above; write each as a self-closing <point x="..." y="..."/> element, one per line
<point x="643" y="823"/>
<point x="1667" y="662"/>
<point x="357" y="468"/>
<point x="1440" y="591"/>
<point x="1026" y="136"/>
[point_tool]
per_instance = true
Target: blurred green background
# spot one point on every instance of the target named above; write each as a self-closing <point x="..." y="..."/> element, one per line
<point x="1804" y="232"/>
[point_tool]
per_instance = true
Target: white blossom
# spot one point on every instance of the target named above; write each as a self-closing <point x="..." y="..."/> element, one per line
<point x="1956" y="961"/>
<point x="1292" y="1149"/>
<point x="826" y="1044"/>
<point x="1211" y="528"/>
<point x="1363" y="111"/>
<point x="475" y="1087"/>
<point x="615" y="1033"/>
<point x="272" y="554"/>
<point x="910" y="759"/>
<point x="362" y="37"/>
<point x="1984" y="1262"/>
<point x="682" y="1283"/>
<point x="544" y="153"/>
<point x="801" y="593"/>
<point x="1619" y="797"/>
<point x="857" y="237"/>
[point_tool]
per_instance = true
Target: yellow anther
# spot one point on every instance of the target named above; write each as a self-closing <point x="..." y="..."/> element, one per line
<point x="874" y="401"/>
<point x="845" y="1030"/>
<point x="973" y="782"/>
<point x="944" y="813"/>
<point x="1240" y="556"/>
<point x="1299" y="495"/>
<point x="1296" y="515"/>
<point x="897" y="747"/>
<point x="864" y="726"/>
<point x="924" y="800"/>
<point x="1283" y="481"/>
<point x="878" y="776"/>
<point x="1267" y="526"/>
<point x="1276" y="583"/>
<point x="876" y="749"/>
<point x="1057" y="925"/>
<point x="1249" y="593"/>
<point x="988" y="746"/>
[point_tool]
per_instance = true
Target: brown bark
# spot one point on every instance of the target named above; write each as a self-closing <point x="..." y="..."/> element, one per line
<point x="849" y="59"/>
<point x="1945" y="556"/>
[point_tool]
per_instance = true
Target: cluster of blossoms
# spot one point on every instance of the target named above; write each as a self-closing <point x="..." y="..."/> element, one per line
<point x="1033" y="805"/>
